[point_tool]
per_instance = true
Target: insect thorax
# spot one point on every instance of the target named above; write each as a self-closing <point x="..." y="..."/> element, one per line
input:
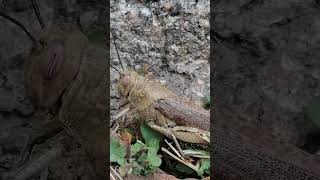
<point x="145" y="92"/>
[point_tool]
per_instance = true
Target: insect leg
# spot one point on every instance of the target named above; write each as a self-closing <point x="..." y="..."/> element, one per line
<point x="120" y="114"/>
<point x="167" y="132"/>
<point x="177" y="145"/>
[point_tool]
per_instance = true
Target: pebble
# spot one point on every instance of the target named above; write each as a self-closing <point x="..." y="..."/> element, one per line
<point x="168" y="6"/>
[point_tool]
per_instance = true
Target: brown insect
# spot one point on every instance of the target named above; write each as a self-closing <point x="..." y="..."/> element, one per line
<point x="163" y="110"/>
<point x="76" y="87"/>
<point x="68" y="75"/>
<point x="240" y="150"/>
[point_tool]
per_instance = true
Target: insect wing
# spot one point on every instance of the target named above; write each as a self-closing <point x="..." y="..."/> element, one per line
<point x="183" y="112"/>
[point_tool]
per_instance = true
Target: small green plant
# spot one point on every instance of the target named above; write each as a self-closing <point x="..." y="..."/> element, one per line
<point x="204" y="167"/>
<point x="203" y="163"/>
<point x="144" y="158"/>
<point x="117" y="152"/>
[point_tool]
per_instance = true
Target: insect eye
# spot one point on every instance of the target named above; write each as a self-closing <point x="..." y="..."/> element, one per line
<point x="126" y="80"/>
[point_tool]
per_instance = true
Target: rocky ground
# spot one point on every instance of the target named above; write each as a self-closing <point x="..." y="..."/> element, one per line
<point x="172" y="37"/>
<point x="18" y="118"/>
<point x="267" y="63"/>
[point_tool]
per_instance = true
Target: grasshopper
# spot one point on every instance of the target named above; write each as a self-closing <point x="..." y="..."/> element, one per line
<point x="67" y="75"/>
<point x="163" y="110"/>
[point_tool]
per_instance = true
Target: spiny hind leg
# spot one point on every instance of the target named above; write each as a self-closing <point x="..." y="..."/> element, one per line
<point x="167" y="132"/>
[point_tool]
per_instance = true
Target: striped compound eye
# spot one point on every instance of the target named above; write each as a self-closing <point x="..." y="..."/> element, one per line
<point x="53" y="60"/>
<point x="125" y="80"/>
<point x="125" y="85"/>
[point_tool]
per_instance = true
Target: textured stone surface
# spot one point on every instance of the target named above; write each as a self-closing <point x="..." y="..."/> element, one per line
<point x="267" y="62"/>
<point x="172" y="37"/>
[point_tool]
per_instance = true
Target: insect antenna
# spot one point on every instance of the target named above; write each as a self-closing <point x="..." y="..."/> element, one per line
<point x="115" y="45"/>
<point x="20" y="25"/>
<point x="37" y="12"/>
<point x="116" y="70"/>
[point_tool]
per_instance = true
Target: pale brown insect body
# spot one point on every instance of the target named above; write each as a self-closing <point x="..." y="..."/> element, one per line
<point x="67" y="75"/>
<point x="157" y="104"/>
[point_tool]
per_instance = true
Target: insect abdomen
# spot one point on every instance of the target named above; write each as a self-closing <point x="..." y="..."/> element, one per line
<point x="153" y="100"/>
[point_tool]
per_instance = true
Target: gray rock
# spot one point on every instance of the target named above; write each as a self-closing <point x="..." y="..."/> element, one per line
<point x="270" y="47"/>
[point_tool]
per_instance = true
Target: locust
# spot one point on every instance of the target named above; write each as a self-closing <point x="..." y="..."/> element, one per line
<point x="67" y="75"/>
<point x="162" y="110"/>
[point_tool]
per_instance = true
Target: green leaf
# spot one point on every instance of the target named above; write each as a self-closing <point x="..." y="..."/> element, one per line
<point x="152" y="157"/>
<point x="142" y="158"/>
<point x="149" y="134"/>
<point x="149" y="159"/>
<point x="136" y="148"/>
<point x="313" y="112"/>
<point x="137" y="169"/>
<point x="117" y="152"/>
<point x="154" y="145"/>
<point x="184" y="169"/>
<point x="197" y="153"/>
<point x="154" y="161"/>
<point x="204" y="167"/>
